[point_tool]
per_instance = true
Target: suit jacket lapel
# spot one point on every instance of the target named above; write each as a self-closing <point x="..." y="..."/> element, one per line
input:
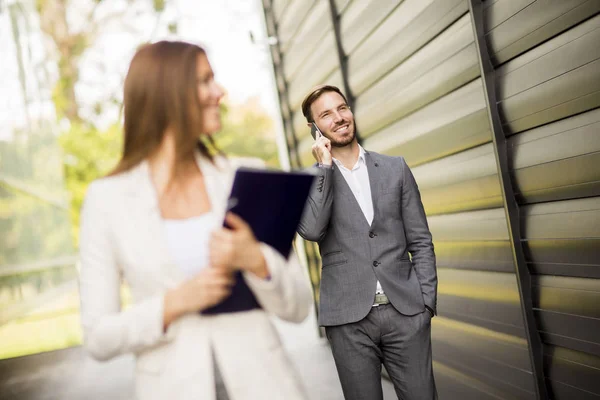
<point x="145" y="212"/>
<point x="149" y="241"/>
<point x="375" y="182"/>
<point x="144" y="209"/>
<point x="344" y="193"/>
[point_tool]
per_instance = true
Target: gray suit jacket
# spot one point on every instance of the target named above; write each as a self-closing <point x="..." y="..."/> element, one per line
<point x="355" y="255"/>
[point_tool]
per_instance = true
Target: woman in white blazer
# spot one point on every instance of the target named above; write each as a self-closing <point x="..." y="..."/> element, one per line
<point x="156" y="223"/>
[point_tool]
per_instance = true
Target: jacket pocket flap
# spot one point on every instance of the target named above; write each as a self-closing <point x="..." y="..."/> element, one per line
<point x="333" y="258"/>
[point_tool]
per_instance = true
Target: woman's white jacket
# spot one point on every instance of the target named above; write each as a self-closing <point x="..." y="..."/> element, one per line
<point x="122" y="237"/>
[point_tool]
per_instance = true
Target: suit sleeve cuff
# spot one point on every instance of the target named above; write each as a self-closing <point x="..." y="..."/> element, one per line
<point x="319" y="165"/>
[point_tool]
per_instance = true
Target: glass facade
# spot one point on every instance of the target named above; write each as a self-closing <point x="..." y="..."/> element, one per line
<point x="38" y="289"/>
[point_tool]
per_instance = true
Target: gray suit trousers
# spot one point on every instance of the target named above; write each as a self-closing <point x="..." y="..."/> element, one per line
<point x="402" y="343"/>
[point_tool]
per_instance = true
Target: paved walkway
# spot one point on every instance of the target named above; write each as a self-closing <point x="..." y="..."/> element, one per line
<point x="71" y="375"/>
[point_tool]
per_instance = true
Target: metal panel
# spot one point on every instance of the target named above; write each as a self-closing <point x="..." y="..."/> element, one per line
<point x="572" y="374"/>
<point x="546" y="158"/>
<point x="299" y="122"/>
<point x="555" y="80"/>
<point x="278" y="7"/>
<point x="484" y="299"/>
<point x="452" y="384"/>
<point x="511" y="207"/>
<point x="443" y="65"/>
<point x="477" y="254"/>
<point x="573" y="219"/>
<point x="564" y="256"/>
<point x="563" y="238"/>
<point x="342" y="59"/>
<point x="315" y="26"/>
<point x="562" y="235"/>
<point x="280" y="80"/>
<point x="557" y="328"/>
<point x="465" y="181"/>
<point x="476" y="225"/>
<point x="480" y="351"/>
<point x="416" y="22"/>
<point x="514" y="26"/>
<point x="510" y="383"/>
<point x="498" y="11"/>
<point x="493" y="287"/>
<point x="341" y="5"/>
<point x="281" y="83"/>
<point x="570" y="296"/>
<point x="322" y="62"/>
<point x="360" y="18"/>
<point x="499" y="317"/>
<point x="464" y="166"/>
<point x="291" y="21"/>
<point x="453" y="123"/>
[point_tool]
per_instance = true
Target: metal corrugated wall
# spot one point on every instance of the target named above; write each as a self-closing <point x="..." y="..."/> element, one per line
<point x="496" y="107"/>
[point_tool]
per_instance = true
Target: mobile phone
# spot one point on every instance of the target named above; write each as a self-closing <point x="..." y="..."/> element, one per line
<point x="315" y="131"/>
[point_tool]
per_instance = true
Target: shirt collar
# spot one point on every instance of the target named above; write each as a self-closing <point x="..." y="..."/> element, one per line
<point x="361" y="157"/>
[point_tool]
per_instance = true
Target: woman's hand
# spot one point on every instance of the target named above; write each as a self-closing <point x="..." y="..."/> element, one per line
<point x="208" y="288"/>
<point x="237" y="248"/>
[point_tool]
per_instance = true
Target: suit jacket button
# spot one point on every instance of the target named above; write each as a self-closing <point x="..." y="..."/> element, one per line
<point x="371" y="235"/>
<point x="375" y="263"/>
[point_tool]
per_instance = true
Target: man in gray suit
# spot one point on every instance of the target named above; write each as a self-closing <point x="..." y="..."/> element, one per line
<point x="378" y="282"/>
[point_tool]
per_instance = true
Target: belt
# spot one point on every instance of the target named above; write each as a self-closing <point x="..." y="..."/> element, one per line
<point x="381" y="298"/>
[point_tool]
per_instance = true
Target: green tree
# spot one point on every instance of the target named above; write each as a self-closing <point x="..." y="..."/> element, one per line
<point x="248" y="131"/>
<point x="88" y="155"/>
<point x="90" y="152"/>
<point x="71" y="41"/>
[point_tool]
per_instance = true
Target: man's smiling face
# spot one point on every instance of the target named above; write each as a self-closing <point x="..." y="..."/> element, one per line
<point x="334" y="118"/>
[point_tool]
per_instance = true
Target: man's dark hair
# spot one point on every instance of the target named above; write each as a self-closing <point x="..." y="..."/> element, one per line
<point x="314" y="95"/>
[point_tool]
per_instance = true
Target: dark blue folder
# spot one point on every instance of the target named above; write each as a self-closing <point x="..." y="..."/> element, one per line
<point x="271" y="202"/>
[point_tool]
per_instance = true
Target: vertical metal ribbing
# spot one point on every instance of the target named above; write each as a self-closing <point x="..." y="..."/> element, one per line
<point x="511" y="207"/>
<point x="283" y="94"/>
<point x="343" y="59"/>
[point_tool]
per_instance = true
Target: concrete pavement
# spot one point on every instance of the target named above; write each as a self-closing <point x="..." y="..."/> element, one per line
<point x="71" y="375"/>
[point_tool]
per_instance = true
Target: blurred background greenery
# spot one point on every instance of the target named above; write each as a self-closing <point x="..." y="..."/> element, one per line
<point x="55" y="142"/>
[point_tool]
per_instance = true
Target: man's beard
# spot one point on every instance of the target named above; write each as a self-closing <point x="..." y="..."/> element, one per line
<point x="344" y="141"/>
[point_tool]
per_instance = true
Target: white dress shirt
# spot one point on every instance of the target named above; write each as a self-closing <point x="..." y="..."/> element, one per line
<point x="358" y="180"/>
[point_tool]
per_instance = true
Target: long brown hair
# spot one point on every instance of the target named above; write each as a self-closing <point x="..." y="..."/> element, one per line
<point x="161" y="93"/>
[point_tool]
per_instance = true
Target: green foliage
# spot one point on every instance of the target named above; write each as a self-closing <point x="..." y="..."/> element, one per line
<point x="88" y="155"/>
<point x="159" y="5"/>
<point x="61" y="102"/>
<point x="248" y="132"/>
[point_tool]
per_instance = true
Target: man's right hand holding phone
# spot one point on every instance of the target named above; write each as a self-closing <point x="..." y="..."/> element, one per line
<point x="321" y="150"/>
